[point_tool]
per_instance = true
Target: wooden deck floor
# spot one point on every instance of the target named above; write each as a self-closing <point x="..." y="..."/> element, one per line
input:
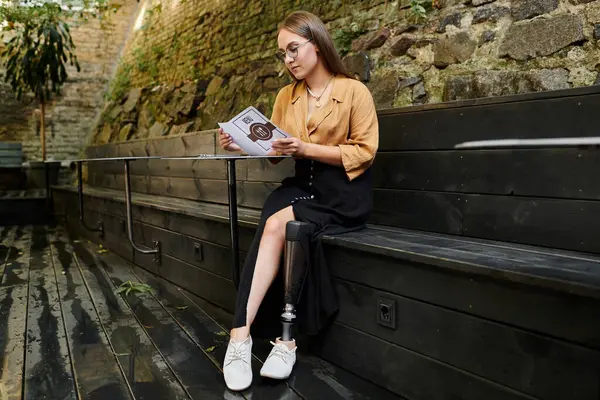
<point x="66" y="333"/>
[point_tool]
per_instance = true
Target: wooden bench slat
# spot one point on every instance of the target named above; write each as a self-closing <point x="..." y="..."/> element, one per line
<point x="440" y="127"/>
<point x="553" y="223"/>
<point x="551" y="173"/>
<point x="499" y="352"/>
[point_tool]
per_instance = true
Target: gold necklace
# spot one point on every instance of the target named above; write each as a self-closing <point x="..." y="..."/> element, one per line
<point x="318" y="103"/>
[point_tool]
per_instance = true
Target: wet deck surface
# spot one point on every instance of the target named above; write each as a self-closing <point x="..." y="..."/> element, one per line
<point x="66" y="332"/>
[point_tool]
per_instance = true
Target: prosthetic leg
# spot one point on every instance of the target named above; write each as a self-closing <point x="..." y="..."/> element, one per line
<point x="294" y="272"/>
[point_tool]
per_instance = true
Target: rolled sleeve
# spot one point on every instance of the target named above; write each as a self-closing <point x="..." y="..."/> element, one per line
<point x="358" y="152"/>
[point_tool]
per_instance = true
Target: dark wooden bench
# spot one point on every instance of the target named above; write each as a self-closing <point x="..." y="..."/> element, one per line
<point x="479" y="277"/>
<point x="12" y="175"/>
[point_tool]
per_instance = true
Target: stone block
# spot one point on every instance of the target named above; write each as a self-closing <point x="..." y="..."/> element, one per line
<point x="524" y="9"/>
<point x="419" y="94"/>
<point x="592" y="13"/>
<point x="384" y="87"/>
<point x="452" y="19"/>
<point x="125" y="133"/>
<point x="541" y="37"/>
<point x="490" y="13"/>
<point x="401" y="44"/>
<point x="453" y="49"/>
<point x="157" y="130"/>
<point x="358" y="65"/>
<point x="487" y="36"/>
<point x="577" y="2"/>
<point x="503" y="83"/>
<point x="371" y="40"/>
<point x="406" y="82"/>
<point x="214" y="86"/>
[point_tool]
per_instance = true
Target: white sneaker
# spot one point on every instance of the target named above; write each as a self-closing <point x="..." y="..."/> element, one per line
<point x="280" y="362"/>
<point x="237" y="368"/>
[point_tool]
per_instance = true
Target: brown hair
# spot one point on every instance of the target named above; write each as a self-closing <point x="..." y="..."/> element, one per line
<point x="309" y="26"/>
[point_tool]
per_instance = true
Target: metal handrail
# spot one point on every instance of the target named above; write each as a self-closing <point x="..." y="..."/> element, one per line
<point x="156" y="249"/>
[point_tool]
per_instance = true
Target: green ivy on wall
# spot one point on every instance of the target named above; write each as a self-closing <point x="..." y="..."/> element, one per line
<point x="121" y="83"/>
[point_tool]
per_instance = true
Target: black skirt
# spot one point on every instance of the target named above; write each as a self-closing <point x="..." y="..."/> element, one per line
<point x="322" y="196"/>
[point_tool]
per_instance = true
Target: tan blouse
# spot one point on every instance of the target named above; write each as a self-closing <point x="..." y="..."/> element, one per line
<point x="348" y="120"/>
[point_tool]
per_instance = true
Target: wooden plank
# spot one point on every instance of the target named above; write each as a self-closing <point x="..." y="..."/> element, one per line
<point x="559" y="271"/>
<point x="13" y="311"/>
<point x="430" y="211"/>
<point x="207" y="222"/>
<point x="254" y="194"/>
<point x="114" y="237"/>
<point x="7" y="236"/>
<point x="541" y="311"/>
<point x="205" y="284"/>
<point x="147" y="373"/>
<point x="312" y="378"/>
<point x="184" y="145"/>
<point x="139" y="183"/>
<point x="48" y="370"/>
<point x="210" y="169"/>
<point x="564" y="173"/>
<point x="199" y="376"/>
<point x="555" y="223"/>
<point x="99" y="168"/>
<point x="209" y="278"/>
<point x="94" y="363"/>
<point x="201" y="254"/>
<point x="188" y="188"/>
<point x="442" y="128"/>
<point x="539" y="366"/>
<point x="264" y="171"/>
<point x="217" y="212"/>
<point x="208" y="335"/>
<point x="404" y="372"/>
<point x="560" y="224"/>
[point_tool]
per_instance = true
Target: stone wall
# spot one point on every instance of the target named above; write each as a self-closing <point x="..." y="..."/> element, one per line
<point x="71" y="117"/>
<point x="193" y="63"/>
<point x="489" y="48"/>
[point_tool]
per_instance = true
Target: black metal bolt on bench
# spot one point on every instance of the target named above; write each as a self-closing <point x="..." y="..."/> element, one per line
<point x="156" y="249"/>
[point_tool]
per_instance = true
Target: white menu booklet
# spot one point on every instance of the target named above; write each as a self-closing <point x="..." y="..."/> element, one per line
<point x="253" y="132"/>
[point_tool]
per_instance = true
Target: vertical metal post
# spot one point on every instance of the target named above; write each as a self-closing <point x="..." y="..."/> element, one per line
<point x="233" y="223"/>
<point x="100" y="227"/>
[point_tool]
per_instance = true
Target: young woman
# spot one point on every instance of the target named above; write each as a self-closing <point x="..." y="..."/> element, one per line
<point x="335" y="135"/>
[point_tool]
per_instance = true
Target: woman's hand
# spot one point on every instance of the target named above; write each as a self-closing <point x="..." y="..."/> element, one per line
<point x="226" y="142"/>
<point x="290" y="146"/>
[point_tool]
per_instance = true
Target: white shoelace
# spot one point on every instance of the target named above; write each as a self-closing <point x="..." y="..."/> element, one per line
<point x="238" y="352"/>
<point x="281" y="351"/>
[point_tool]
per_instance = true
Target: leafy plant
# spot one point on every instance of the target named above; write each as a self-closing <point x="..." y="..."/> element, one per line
<point x="343" y="37"/>
<point x="121" y="82"/>
<point x="35" y="56"/>
<point x="419" y="8"/>
<point x="130" y="286"/>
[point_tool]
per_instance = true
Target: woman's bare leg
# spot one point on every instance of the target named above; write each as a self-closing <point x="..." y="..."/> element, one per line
<point x="267" y="264"/>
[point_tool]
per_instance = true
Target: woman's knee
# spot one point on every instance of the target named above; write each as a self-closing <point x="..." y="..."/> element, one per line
<point x="274" y="227"/>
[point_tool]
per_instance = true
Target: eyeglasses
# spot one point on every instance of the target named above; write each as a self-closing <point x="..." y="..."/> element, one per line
<point x="292" y="52"/>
